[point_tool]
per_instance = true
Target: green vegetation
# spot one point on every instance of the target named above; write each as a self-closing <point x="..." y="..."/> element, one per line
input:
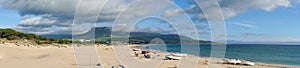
<point x="11" y="34"/>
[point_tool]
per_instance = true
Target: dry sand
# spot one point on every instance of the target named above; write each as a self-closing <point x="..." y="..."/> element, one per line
<point x="12" y="57"/>
<point x="27" y="57"/>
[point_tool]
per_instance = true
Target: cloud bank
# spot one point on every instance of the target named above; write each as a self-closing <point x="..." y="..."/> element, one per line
<point x="56" y="16"/>
<point x="39" y="16"/>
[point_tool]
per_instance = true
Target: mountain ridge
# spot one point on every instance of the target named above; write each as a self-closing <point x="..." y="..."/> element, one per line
<point x="102" y="35"/>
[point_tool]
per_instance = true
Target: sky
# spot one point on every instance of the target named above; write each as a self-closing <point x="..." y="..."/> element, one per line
<point x="9" y="17"/>
<point x="245" y="20"/>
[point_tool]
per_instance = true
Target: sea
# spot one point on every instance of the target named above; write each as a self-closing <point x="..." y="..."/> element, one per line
<point x="264" y="53"/>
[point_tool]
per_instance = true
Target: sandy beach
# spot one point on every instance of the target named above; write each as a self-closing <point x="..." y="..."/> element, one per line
<point x="12" y="56"/>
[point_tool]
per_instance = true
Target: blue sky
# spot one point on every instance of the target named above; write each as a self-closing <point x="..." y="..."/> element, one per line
<point x="9" y="17"/>
<point x="277" y="21"/>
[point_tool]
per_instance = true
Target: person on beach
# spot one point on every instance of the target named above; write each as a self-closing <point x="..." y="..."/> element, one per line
<point x="136" y="54"/>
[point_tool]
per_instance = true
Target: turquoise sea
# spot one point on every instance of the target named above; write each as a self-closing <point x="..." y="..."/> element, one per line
<point x="265" y="53"/>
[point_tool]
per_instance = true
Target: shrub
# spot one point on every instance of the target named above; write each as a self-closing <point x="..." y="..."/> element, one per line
<point x="11" y="34"/>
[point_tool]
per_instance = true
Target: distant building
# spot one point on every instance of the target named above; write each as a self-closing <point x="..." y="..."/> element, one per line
<point x="84" y="40"/>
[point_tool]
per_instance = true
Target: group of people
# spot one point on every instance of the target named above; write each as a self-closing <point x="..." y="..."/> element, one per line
<point x="145" y="54"/>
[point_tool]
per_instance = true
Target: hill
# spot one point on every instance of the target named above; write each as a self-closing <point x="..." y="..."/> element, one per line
<point x="102" y="35"/>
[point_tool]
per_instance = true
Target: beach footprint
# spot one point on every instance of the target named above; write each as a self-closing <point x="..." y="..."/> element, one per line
<point x="1" y="56"/>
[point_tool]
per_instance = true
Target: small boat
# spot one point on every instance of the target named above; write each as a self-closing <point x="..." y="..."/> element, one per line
<point x="135" y="49"/>
<point x="173" y="57"/>
<point x="244" y="62"/>
<point x="179" y="55"/>
<point x="232" y="61"/>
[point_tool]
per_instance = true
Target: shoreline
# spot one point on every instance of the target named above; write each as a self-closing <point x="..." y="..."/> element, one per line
<point x="105" y="52"/>
<point x="257" y="63"/>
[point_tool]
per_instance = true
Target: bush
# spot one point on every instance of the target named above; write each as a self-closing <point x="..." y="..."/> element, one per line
<point x="5" y="33"/>
<point x="53" y="39"/>
<point x="11" y="34"/>
<point x="42" y="38"/>
<point x="64" y="41"/>
<point x="38" y="42"/>
<point x="12" y="38"/>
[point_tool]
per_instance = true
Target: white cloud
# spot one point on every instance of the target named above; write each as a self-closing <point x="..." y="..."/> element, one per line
<point x="247" y="25"/>
<point x="5" y="27"/>
<point x="266" y="5"/>
<point x="137" y="10"/>
<point x="38" y="25"/>
<point x="60" y="14"/>
<point x="172" y="12"/>
<point x="231" y="8"/>
<point x="65" y="9"/>
<point x="40" y="15"/>
<point x="36" y="21"/>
